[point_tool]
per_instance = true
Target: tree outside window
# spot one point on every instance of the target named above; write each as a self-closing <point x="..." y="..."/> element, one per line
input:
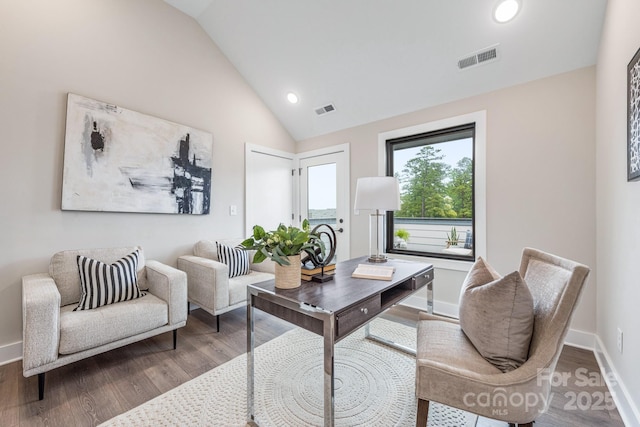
<point x="435" y="171"/>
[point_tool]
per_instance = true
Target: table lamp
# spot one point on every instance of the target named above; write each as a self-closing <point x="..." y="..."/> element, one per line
<point x="379" y="193"/>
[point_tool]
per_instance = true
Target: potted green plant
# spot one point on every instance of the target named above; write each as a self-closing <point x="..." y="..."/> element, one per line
<point x="452" y="239"/>
<point x="402" y="237"/>
<point x="284" y="246"/>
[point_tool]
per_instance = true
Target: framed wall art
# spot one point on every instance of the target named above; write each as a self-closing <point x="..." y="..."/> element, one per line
<point x="118" y="160"/>
<point x="633" y="118"/>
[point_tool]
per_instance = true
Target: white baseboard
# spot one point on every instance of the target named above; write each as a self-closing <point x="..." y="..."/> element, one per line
<point x="439" y="307"/>
<point x="621" y="396"/>
<point x="581" y="339"/>
<point x="10" y="353"/>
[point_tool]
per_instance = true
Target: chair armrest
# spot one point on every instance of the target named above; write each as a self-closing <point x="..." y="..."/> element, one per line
<point x="169" y="284"/>
<point x="40" y="321"/>
<point x="208" y="281"/>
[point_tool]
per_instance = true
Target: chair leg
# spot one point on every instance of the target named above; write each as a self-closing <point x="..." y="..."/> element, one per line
<point x="175" y="339"/>
<point x="218" y="323"/>
<point x="41" y="386"/>
<point x="526" y="424"/>
<point x="423" y="413"/>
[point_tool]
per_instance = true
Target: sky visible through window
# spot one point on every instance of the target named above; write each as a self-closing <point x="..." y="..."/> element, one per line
<point x="322" y="186"/>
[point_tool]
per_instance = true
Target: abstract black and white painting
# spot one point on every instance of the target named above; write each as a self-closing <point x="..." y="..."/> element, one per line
<point x="633" y="118"/>
<point x="118" y="160"/>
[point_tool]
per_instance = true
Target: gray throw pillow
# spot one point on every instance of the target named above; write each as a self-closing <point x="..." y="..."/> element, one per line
<point x="496" y="314"/>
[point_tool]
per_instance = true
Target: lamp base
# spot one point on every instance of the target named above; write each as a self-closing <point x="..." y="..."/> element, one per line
<point x="377" y="258"/>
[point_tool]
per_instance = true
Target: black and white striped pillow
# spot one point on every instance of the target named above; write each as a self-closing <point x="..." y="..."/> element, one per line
<point x="104" y="284"/>
<point x="237" y="259"/>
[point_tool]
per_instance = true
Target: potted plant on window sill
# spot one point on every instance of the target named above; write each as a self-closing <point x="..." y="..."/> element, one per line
<point x="402" y="237"/>
<point x="284" y="246"/>
<point x="452" y="238"/>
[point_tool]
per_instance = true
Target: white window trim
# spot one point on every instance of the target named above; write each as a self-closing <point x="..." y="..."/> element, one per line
<point x="480" y="179"/>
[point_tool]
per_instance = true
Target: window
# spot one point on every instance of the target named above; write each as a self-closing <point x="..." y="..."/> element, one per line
<point x="454" y="197"/>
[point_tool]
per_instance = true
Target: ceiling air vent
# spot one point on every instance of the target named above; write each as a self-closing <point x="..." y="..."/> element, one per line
<point x="325" y="109"/>
<point x="483" y="56"/>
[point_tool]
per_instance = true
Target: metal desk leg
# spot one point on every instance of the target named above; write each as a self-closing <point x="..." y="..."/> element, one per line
<point x="250" y="362"/>
<point x="377" y="338"/>
<point x="329" y="398"/>
<point x="393" y="344"/>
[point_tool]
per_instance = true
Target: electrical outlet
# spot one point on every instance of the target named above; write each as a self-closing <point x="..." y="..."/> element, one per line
<point x="233" y="210"/>
<point x="620" y="340"/>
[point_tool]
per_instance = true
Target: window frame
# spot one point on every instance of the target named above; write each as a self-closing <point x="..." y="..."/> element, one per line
<point x="434" y="134"/>
<point x="479" y="190"/>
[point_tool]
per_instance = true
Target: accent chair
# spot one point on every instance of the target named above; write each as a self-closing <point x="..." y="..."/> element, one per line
<point x="450" y="369"/>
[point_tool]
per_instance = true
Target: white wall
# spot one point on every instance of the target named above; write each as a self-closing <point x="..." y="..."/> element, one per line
<point x="142" y="55"/>
<point x="618" y="201"/>
<point x="540" y="175"/>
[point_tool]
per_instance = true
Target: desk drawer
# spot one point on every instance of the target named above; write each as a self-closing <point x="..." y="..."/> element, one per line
<point x="357" y="316"/>
<point x="419" y="280"/>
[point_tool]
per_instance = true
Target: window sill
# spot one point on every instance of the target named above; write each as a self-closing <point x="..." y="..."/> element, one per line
<point x="458" y="251"/>
<point x="439" y="263"/>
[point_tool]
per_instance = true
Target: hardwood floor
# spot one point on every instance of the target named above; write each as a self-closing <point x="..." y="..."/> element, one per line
<point x="96" y="389"/>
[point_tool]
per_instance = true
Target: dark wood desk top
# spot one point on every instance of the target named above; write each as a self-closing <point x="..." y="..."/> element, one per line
<point x="344" y="291"/>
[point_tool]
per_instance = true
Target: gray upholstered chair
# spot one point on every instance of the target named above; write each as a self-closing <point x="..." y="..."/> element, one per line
<point x="450" y="370"/>
<point x="55" y="335"/>
<point x="210" y="286"/>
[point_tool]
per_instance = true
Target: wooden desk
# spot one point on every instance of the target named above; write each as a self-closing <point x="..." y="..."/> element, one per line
<point x="333" y="310"/>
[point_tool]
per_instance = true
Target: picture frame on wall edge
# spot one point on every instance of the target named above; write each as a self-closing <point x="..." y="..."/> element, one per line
<point x="633" y="118"/>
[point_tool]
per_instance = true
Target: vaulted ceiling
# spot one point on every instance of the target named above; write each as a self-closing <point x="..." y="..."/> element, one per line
<point x="374" y="59"/>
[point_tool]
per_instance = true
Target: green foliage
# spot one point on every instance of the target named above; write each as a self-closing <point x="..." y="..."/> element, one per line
<point x="433" y="189"/>
<point x="403" y="234"/>
<point x="452" y="239"/>
<point x="282" y="242"/>
<point x="460" y="188"/>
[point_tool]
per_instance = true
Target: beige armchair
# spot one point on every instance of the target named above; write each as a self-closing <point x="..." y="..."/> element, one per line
<point x="210" y="286"/>
<point x="450" y="370"/>
<point x="55" y="335"/>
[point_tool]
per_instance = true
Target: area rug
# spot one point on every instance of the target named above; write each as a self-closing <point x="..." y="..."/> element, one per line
<point x="374" y="386"/>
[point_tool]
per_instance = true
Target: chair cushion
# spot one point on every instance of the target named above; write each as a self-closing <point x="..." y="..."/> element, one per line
<point x="104" y="283"/>
<point x="86" y="329"/>
<point x="237" y="259"/>
<point x="444" y="344"/>
<point x="496" y="313"/>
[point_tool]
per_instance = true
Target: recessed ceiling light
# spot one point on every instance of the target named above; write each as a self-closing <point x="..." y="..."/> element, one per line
<point x="292" y="98"/>
<point x="506" y="10"/>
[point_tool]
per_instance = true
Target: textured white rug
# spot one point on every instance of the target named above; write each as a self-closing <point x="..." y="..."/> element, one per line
<point x="374" y="387"/>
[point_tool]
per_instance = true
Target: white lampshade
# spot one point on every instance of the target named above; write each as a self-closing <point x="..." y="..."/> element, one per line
<point x="377" y="192"/>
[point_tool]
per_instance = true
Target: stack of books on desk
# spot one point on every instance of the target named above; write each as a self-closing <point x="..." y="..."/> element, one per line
<point x="308" y="273"/>
<point x="373" y="271"/>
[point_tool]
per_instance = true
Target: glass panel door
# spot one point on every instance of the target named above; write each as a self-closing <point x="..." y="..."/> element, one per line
<point x="324" y="196"/>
